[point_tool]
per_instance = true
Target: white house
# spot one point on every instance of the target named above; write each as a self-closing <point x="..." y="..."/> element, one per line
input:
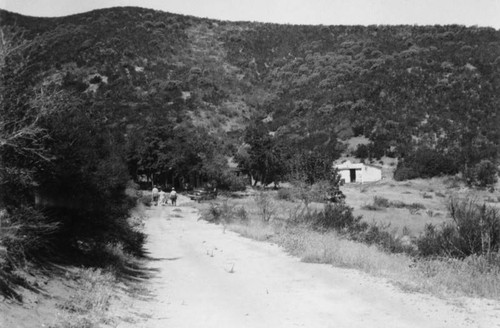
<point x="359" y="172"/>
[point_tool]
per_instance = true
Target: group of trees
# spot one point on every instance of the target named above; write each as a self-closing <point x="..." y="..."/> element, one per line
<point x="273" y="157"/>
<point x="408" y="89"/>
<point x="63" y="172"/>
<point x="176" y="155"/>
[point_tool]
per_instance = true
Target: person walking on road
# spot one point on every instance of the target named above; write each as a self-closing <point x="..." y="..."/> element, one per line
<point x="173" y="197"/>
<point x="155" y="195"/>
<point x="162" y="200"/>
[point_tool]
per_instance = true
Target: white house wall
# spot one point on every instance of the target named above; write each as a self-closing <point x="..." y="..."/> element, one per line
<point x="365" y="174"/>
<point x="371" y="174"/>
<point x="345" y="175"/>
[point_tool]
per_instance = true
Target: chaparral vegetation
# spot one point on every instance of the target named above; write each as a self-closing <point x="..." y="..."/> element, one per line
<point x="95" y="106"/>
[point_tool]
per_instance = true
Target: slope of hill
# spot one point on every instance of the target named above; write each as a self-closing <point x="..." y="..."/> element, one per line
<point x="400" y="86"/>
<point x="90" y="100"/>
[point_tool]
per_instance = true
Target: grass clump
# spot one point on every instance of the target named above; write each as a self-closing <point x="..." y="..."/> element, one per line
<point x="224" y="213"/>
<point x="88" y="306"/>
<point x="265" y="205"/>
<point x="284" y="194"/>
<point x="380" y="203"/>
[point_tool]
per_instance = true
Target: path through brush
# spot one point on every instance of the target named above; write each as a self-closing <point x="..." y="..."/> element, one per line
<point x="206" y="277"/>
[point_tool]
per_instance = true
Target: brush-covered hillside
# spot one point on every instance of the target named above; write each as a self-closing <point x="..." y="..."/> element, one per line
<point x="92" y="101"/>
<point x="427" y="94"/>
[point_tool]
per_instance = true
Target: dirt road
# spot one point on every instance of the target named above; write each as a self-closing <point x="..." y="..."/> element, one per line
<point x="205" y="277"/>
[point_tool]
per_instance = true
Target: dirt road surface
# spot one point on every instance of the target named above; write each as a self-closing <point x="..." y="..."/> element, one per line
<point x="206" y="277"/>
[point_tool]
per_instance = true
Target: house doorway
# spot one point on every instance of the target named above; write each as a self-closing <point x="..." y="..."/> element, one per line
<point x="353" y="175"/>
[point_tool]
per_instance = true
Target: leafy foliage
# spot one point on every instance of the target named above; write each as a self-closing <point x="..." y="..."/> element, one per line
<point x="264" y="157"/>
<point x="425" y="163"/>
<point x="483" y="174"/>
<point x="475" y="230"/>
<point x="412" y="90"/>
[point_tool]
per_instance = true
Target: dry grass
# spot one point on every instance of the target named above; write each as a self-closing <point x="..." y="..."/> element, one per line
<point x="469" y="277"/>
<point x="88" y="306"/>
<point x="432" y="194"/>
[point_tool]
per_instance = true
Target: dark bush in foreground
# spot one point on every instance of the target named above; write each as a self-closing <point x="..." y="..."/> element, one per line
<point x="338" y="217"/>
<point x="475" y="230"/>
<point x="378" y="235"/>
<point x="25" y="233"/>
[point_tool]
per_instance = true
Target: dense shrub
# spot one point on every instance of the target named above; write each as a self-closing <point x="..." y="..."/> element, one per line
<point x="25" y="233"/>
<point x="405" y="173"/>
<point x="337" y="217"/>
<point x="483" y="174"/>
<point x="425" y="163"/>
<point x="232" y="182"/>
<point x="378" y="235"/>
<point x="284" y="194"/>
<point x="265" y="206"/>
<point x="224" y="213"/>
<point x="475" y="229"/>
<point x="369" y="151"/>
<point x="219" y="213"/>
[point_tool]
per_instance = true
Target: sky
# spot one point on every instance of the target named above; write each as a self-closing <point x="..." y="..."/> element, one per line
<point x="310" y="12"/>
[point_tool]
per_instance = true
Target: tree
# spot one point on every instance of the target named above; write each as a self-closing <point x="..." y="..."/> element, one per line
<point x="265" y="159"/>
<point x="310" y="166"/>
<point x="483" y="174"/>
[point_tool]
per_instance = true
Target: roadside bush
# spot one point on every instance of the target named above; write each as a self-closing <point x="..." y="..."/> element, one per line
<point x="338" y="217"/>
<point x="431" y="241"/>
<point x="146" y="200"/>
<point x="475" y="230"/>
<point x="25" y="233"/>
<point x="284" y="194"/>
<point x="378" y="235"/>
<point x="219" y="213"/>
<point x="265" y="206"/>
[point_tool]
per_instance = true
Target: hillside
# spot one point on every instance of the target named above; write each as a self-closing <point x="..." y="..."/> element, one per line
<point x="95" y="104"/>
<point x="403" y="87"/>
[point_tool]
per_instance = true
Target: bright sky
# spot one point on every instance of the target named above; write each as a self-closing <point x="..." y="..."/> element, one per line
<point x="327" y="12"/>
